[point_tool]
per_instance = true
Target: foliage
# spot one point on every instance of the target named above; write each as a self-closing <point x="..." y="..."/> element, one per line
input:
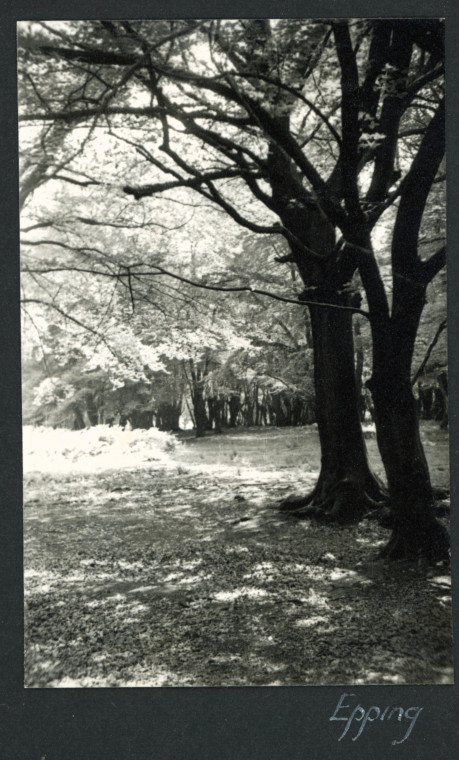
<point x="209" y="105"/>
<point x="99" y="447"/>
<point x="306" y="131"/>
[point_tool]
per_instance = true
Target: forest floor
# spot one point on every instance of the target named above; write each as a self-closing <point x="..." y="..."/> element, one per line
<point x="181" y="572"/>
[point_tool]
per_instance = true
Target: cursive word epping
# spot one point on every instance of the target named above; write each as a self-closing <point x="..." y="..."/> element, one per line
<point x="361" y="716"/>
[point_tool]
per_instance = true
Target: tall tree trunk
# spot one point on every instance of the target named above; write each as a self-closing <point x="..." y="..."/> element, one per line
<point x="216" y="408"/>
<point x="219" y="414"/>
<point x="234" y="409"/>
<point x="200" y="415"/>
<point x="196" y="384"/>
<point x="416" y="531"/>
<point x="346" y="487"/>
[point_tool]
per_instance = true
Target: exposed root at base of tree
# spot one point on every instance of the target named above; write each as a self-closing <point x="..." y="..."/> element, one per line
<point x="385" y="515"/>
<point x="430" y="542"/>
<point x="345" y="502"/>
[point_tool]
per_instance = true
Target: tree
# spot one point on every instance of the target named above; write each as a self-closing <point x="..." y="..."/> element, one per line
<point x="322" y="125"/>
<point x="177" y="326"/>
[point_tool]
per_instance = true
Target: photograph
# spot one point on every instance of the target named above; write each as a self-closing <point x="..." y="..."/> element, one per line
<point x="234" y="357"/>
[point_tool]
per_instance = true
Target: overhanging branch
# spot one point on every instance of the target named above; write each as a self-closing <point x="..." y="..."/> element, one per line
<point x="431" y="267"/>
<point x="434" y="342"/>
<point x="158" y="271"/>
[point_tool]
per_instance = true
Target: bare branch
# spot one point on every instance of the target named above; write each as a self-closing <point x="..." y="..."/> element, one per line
<point x="297" y="94"/>
<point x="51" y="305"/>
<point x="157" y="271"/>
<point x="431" y="347"/>
<point x="434" y="265"/>
<point x="144" y="191"/>
<point x="426" y="78"/>
<point x="80" y="114"/>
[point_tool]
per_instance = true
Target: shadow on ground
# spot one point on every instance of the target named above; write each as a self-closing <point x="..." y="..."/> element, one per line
<point x="185" y="575"/>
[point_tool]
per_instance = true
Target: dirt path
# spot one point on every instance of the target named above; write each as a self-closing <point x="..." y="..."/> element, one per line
<point x="185" y="575"/>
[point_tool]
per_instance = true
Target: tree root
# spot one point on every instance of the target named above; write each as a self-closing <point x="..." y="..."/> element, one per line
<point x="386" y="516"/>
<point x="294" y="503"/>
<point x="347" y="502"/>
<point x="383" y="514"/>
<point x="431" y="543"/>
<point x="344" y="502"/>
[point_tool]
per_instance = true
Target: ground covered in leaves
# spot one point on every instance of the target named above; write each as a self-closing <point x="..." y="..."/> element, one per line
<point x="179" y="571"/>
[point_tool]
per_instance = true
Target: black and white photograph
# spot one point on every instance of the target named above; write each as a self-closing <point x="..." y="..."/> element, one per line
<point x="234" y="357"/>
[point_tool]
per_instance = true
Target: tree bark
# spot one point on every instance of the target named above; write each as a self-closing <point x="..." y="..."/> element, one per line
<point x="359" y="369"/>
<point x="196" y="384"/>
<point x="234" y="409"/>
<point x="216" y="409"/>
<point x="200" y="415"/>
<point x="416" y="531"/>
<point x="168" y="416"/>
<point x="346" y="487"/>
<point x="442" y="379"/>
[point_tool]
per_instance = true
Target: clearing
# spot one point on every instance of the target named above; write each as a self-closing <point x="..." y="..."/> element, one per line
<point x="176" y="570"/>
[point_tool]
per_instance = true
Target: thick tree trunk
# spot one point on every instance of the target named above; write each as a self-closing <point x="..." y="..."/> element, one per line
<point x="346" y="487"/>
<point x="416" y="531"/>
<point x="168" y="416"/>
